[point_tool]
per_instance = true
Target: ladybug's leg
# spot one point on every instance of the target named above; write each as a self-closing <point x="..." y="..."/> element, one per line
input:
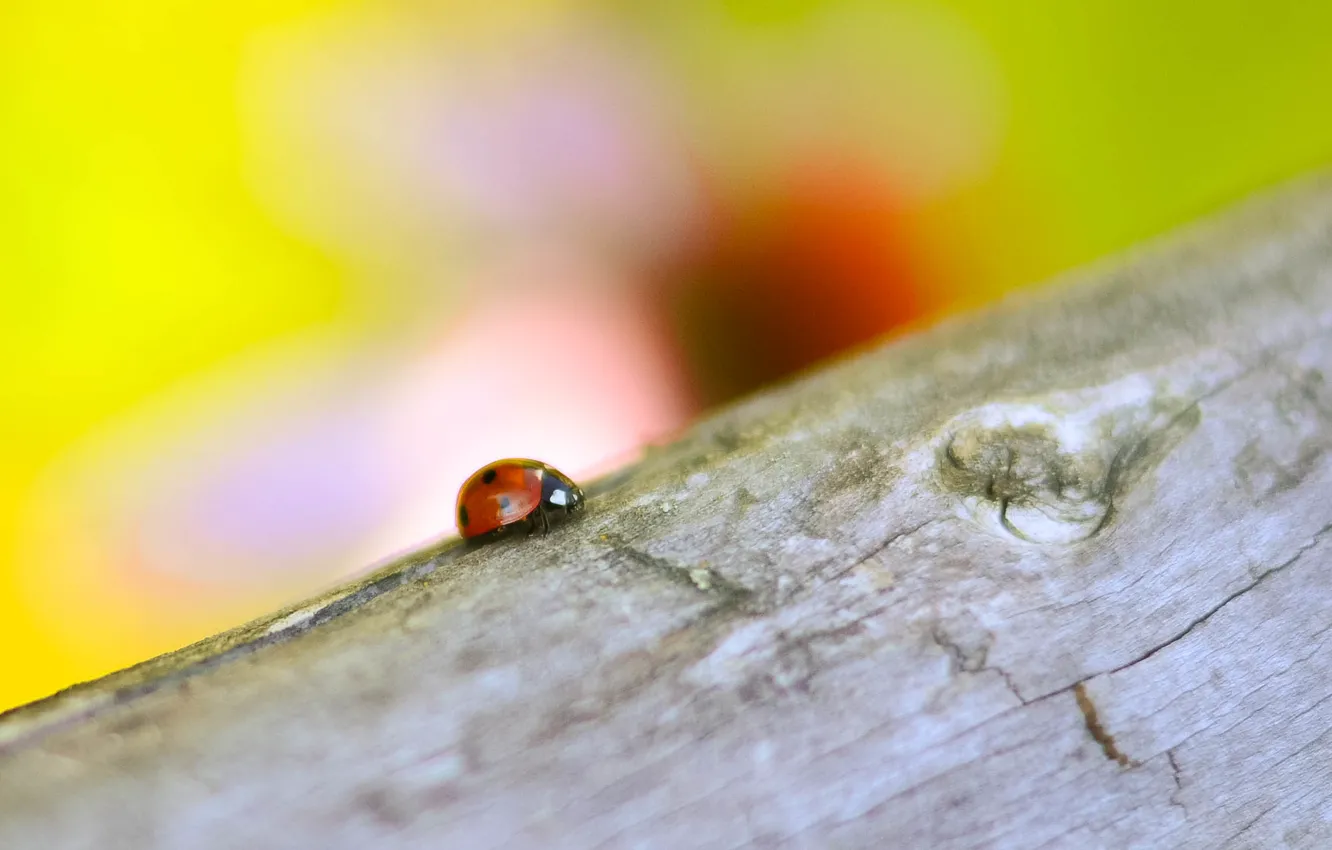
<point x="538" y="518"/>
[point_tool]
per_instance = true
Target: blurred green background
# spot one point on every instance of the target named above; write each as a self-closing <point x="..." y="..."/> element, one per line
<point x="278" y="275"/>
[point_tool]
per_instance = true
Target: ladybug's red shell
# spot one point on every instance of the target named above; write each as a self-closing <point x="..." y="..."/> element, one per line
<point x="513" y="491"/>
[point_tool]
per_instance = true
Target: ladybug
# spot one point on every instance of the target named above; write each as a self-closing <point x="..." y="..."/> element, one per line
<point x="508" y="493"/>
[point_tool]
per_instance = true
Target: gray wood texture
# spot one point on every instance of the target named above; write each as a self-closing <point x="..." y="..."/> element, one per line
<point x="1058" y="574"/>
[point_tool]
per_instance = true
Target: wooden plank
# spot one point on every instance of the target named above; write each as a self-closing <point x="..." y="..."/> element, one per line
<point x="1054" y="575"/>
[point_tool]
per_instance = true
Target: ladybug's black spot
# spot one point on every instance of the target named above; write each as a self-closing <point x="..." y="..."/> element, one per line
<point x="488" y="476"/>
<point x="462" y="516"/>
<point x="504" y="503"/>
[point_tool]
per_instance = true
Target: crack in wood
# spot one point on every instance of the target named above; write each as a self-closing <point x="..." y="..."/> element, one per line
<point x="1079" y="688"/>
<point x="961" y="661"/>
<point x="973" y="665"/>
<point x="1251" y="823"/>
<point x="879" y="548"/>
<point x="1097" y="729"/>
<point x="1313" y="541"/>
<point x="1176" y="774"/>
<point x="1008" y="682"/>
<point x="701" y="578"/>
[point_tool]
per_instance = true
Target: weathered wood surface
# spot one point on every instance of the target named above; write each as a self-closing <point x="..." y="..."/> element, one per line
<point x="1056" y="575"/>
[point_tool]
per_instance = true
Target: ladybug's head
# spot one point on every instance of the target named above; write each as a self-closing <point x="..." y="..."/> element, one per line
<point x="575" y="499"/>
<point x="559" y="492"/>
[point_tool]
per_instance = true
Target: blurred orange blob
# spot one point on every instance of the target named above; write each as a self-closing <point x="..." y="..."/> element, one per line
<point x="821" y="262"/>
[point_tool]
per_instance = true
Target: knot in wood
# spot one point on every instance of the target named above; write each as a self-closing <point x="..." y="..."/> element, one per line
<point x="1048" y="470"/>
<point x="1029" y="475"/>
